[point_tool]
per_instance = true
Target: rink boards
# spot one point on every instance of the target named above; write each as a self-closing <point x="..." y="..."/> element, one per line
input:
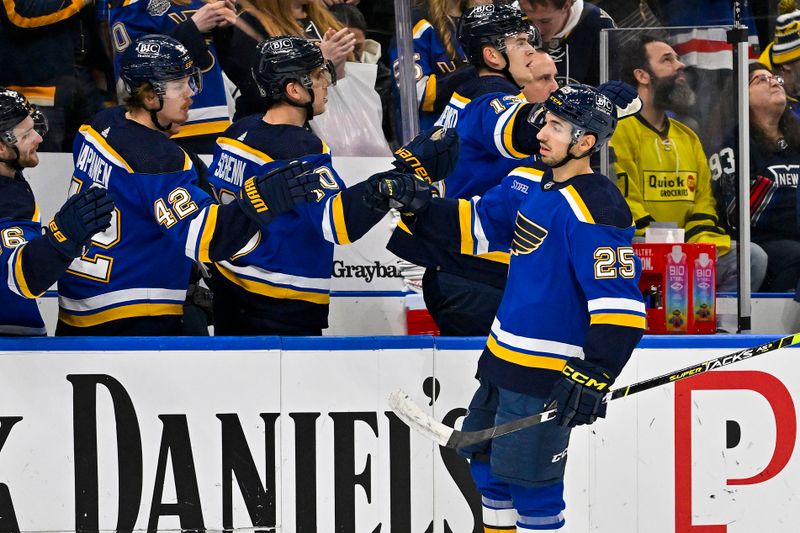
<point x="294" y="435"/>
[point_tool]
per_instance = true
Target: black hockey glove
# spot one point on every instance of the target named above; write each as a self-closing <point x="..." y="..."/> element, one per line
<point x="624" y="96"/>
<point x="579" y="393"/>
<point x="431" y="155"/>
<point x="404" y="192"/>
<point x="264" y="197"/>
<point x="82" y="216"/>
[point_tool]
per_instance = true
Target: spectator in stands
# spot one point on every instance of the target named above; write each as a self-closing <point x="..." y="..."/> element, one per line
<point x="774" y="172"/>
<point x="783" y="56"/>
<point x="51" y="52"/>
<point x="660" y="164"/>
<point x="571" y="34"/>
<point x="439" y="60"/>
<point x="359" y="116"/>
<point x="32" y="262"/>
<point x="270" y="18"/>
<point x="192" y="23"/>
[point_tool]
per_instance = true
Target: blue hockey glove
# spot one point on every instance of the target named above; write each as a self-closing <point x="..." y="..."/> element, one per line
<point x="579" y="393"/>
<point x="264" y="197"/>
<point x="404" y="192"/>
<point x="431" y="155"/>
<point x="82" y="216"/>
<point x="625" y="97"/>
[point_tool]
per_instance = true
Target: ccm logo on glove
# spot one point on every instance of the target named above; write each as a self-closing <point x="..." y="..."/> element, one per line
<point x="583" y="379"/>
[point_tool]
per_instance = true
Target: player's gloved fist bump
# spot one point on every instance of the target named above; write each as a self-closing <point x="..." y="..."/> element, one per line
<point x="81" y="217"/>
<point x="264" y="197"/>
<point x="431" y="155"/>
<point x="579" y="393"/>
<point x="624" y="96"/>
<point x="395" y="190"/>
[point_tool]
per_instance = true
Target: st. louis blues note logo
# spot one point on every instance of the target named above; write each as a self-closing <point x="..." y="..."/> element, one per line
<point x="528" y="235"/>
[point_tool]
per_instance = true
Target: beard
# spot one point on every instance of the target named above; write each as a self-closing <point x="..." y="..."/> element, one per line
<point x="672" y="93"/>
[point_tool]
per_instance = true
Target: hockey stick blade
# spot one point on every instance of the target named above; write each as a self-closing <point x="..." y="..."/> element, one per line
<point x="448" y="437"/>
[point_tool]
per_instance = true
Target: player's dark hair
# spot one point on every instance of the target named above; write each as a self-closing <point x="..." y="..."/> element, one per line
<point x="634" y="56"/>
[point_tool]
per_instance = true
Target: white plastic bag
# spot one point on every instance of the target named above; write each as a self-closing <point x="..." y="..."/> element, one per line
<point x="351" y="124"/>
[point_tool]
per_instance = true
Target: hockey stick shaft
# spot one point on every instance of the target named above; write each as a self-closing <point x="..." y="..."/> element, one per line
<point x="452" y="438"/>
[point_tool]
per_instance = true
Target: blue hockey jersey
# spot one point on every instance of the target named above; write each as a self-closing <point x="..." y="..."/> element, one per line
<point x="285" y="276"/>
<point x="19" y="223"/>
<point x="484" y="111"/>
<point x="131" y="19"/>
<point x="140" y="266"/>
<point x="437" y="74"/>
<point x="572" y="286"/>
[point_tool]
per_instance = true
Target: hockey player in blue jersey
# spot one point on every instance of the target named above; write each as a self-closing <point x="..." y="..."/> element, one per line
<point x="280" y="284"/>
<point x="193" y="23"/>
<point x="133" y="279"/>
<point x="571" y="313"/>
<point x="29" y="261"/>
<point x="493" y="120"/>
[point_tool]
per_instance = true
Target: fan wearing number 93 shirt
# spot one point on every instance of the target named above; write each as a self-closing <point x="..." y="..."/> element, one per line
<point x="571" y="312"/>
<point x="133" y="278"/>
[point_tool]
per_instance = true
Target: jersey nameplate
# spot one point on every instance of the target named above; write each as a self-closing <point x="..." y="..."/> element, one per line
<point x="94" y="165"/>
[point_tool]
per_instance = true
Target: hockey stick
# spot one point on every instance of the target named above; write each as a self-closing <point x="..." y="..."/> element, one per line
<point x="418" y="420"/>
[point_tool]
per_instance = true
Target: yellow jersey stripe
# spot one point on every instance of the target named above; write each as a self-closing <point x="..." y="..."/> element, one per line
<point x="204" y="246"/>
<point x="19" y="276"/>
<point x="102" y="142"/>
<point x="36" y="212"/>
<point x="239" y="145"/>
<point x="339" y="225"/>
<point x="126" y="311"/>
<point x="465" y="222"/>
<point x="569" y="189"/>
<point x="42" y="96"/>
<point x="419" y="28"/>
<point x="187" y="161"/>
<point x="430" y="93"/>
<point x="508" y="131"/>
<point x="202" y="128"/>
<point x="618" y="319"/>
<point x="497" y="257"/>
<point x="43" y="20"/>
<point x="325" y="148"/>
<point x="524" y="359"/>
<point x="283" y="293"/>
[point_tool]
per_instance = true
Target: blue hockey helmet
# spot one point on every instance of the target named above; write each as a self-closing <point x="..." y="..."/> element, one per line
<point x="158" y="59"/>
<point x="14" y="108"/>
<point x="586" y="109"/>
<point x="490" y="24"/>
<point x="288" y="58"/>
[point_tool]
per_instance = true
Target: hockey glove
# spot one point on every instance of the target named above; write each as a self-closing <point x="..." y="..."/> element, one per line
<point x="393" y="190"/>
<point x="431" y="155"/>
<point x="82" y="216"/>
<point x="264" y="197"/>
<point x="625" y="97"/>
<point x="579" y="393"/>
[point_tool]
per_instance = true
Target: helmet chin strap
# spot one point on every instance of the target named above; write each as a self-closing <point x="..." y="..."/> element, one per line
<point x="308" y="106"/>
<point x="505" y="70"/>
<point x="569" y="157"/>
<point x="154" y="116"/>
<point x="13" y="163"/>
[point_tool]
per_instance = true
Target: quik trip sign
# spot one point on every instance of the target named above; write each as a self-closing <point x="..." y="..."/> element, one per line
<point x="241" y="433"/>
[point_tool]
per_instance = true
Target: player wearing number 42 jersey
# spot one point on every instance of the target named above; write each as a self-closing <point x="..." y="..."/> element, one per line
<point x="280" y="283"/>
<point x="133" y="279"/>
